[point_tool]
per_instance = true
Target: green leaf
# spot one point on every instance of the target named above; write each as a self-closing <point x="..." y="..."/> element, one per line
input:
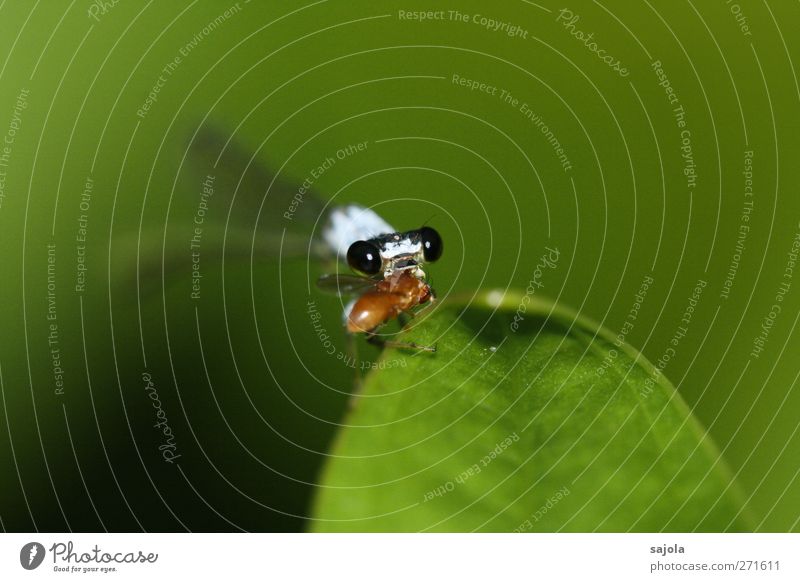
<point x="526" y="430"/>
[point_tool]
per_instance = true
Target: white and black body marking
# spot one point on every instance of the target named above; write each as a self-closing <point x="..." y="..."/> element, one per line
<point x="351" y="223"/>
<point x="360" y="237"/>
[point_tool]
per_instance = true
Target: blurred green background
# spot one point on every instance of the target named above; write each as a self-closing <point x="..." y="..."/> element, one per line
<point x="245" y="385"/>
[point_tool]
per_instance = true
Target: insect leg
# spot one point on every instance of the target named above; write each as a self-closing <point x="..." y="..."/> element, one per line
<point x="424" y="307"/>
<point x="384" y="343"/>
<point x="405" y="317"/>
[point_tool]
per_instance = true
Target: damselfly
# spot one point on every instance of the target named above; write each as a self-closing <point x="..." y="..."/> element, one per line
<point x="389" y="281"/>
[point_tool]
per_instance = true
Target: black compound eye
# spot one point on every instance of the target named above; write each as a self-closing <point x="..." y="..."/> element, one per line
<point x="432" y="245"/>
<point x="364" y="257"/>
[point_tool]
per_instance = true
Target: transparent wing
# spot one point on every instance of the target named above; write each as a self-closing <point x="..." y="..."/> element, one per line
<point x="279" y="210"/>
<point x="345" y="284"/>
<point x="245" y="210"/>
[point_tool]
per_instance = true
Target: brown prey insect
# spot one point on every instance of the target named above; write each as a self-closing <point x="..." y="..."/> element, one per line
<point x="392" y="282"/>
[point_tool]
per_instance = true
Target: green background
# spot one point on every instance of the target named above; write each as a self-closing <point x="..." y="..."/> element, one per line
<point x="249" y="391"/>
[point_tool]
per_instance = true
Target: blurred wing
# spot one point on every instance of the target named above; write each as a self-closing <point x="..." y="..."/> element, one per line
<point x="345" y="284"/>
<point x="264" y="203"/>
